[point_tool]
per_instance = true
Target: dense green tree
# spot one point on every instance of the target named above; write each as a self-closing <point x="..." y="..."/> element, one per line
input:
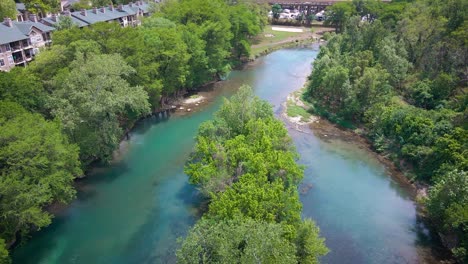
<point x="65" y="22"/>
<point x="255" y="197"/>
<point x="42" y="6"/>
<point x="450" y="151"/>
<point x="98" y="3"/>
<point x="198" y="62"/>
<point x="245" y="23"/>
<point x="81" y="4"/>
<point x="92" y="101"/>
<point x="37" y="168"/>
<point x="49" y="62"/>
<point x="244" y="162"/>
<point x="338" y="14"/>
<point x="400" y="78"/>
<point x="20" y="86"/>
<point x="96" y="81"/>
<point x="421" y="93"/>
<point x="392" y="12"/>
<point x="8" y="9"/>
<point x="276" y="9"/>
<point x="448" y="205"/>
<point x="309" y="245"/>
<point x="421" y="29"/>
<point x="239" y="129"/>
<point x="392" y="56"/>
<point x="370" y="9"/>
<point x="214" y="28"/>
<point x="239" y="240"/>
<point x="4" y="256"/>
<point x="168" y="49"/>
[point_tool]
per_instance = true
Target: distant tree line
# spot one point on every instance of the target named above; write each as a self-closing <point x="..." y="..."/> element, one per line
<point x="244" y="162"/>
<point x="71" y="105"/>
<point x="398" y="70"/>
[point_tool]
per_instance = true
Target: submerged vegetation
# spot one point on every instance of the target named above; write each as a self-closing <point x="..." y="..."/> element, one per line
<point x="71" y="105"/>
<point x="399" y="71"/>
<point x="245" y="164"/>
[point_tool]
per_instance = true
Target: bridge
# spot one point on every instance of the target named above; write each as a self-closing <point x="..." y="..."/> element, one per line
<point x="308" y="7"/>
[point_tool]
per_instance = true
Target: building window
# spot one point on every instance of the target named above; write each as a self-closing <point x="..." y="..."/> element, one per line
<point x="7" y="47"/>
<point x="2" y="62"/>
<point x="10" y="59"/>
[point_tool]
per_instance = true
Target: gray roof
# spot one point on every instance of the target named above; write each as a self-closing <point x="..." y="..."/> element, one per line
<point x="92" y="18"/>
<point x="75" y="21"/>
<point x="20" y="7"/>
<point x="20" y="31"/>
<point x="109" y="14"/>
<point x="10" y="34"/>
<point x="144" y="7"/>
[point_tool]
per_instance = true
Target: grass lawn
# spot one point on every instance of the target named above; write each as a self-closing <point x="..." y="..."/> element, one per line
<point x="262" y="43"/>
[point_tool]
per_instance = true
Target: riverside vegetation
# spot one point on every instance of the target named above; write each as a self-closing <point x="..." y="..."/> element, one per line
<point x="71" y="105"/>
<point x="244" y="163"/>
<point x="401" y="75"/>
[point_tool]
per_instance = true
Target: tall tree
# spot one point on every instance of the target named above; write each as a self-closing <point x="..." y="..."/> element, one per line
<point x="214" y="28"/>
<point x="8" y="9"/>
<point x="237" y="240"/>
<point x="37" y="168"/>
<point x="42" y="6"/>
<point x="448" y="205"/>
<point x="93" y="100"/>
<point x="338" y="14"/>
<point x="22" y="87"/>
<point x="244" y="162"/>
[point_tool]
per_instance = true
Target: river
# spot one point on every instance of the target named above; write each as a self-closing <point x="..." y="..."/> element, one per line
<point x="133" y="210"/>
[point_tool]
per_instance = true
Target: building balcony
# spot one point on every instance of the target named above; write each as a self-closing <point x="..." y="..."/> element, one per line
<point x="16" y="48"/>
<point x="18" y="60"/>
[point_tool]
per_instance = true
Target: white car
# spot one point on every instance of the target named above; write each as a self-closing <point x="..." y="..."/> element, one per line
<point x="320" y="16"/>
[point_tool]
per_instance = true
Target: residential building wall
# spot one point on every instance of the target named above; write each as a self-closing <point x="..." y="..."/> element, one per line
<point x="21" y="42"/>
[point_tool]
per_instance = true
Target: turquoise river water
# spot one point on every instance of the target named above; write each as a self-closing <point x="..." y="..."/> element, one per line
<point x="133" y="210"/>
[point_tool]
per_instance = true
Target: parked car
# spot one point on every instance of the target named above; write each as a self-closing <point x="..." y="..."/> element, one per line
<point x="320" y="16"/>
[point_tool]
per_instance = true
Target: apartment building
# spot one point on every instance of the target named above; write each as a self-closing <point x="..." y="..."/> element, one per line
<point x="54" y="19"/>
<point x="125" y="15"/>
<point x="20" y="41"/>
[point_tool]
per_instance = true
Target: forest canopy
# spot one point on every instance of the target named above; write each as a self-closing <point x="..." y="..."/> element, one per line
<point x="398" y="72"/>
<point x="76" y="100"/>
<point x="244" y="162"/>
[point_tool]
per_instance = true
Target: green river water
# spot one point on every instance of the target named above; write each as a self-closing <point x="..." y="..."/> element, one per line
<point x="133" y="210"/>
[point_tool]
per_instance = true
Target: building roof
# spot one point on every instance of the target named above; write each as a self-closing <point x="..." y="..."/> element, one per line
<point x="10" y="34"/>
<point x="75" y="21"/>
<point x="144" y="7"/>
<point x="20" y="7"/>
<point x="108" y="14"/>
<point x="99" y="16"/>
<point x="20" y="31"/>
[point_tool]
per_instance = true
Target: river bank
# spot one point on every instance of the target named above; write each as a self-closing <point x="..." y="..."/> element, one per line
<point x="331" y="132"/>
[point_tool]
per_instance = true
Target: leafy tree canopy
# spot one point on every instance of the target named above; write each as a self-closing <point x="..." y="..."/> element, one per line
<point x="38" y="166"/>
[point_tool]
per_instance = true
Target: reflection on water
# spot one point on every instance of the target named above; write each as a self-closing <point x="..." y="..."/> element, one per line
<point x="133" y="210"/>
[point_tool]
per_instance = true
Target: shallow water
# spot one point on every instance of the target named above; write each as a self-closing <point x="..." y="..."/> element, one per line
<point x="133" y="210"/>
